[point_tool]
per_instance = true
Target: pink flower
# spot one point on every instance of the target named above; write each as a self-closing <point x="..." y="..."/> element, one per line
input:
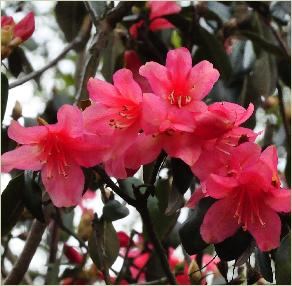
<point x="72" y="254"/>
<point x="58" y="150"/>
<point x="249" y="197"/>
<point x="179" y="89"/>
<point x="157" y="10"/>
<point x="13" y="34"/>
<point x="115" y="114"/>
<point x="123" y="238"/>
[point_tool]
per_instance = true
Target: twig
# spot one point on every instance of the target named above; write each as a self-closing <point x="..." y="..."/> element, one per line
<point x="280" y="40"/>
<point x="155" y="282"/>
<point x="53" y="251"/>
<point x="113" y="186"/>
<point x="79" y="38"/>
<point x="20" y="267"/>
<point x="125" y="262"/>
<point x="91" y="12"/>
<point x="99" y="42"/>
<point x="203" y="266"/>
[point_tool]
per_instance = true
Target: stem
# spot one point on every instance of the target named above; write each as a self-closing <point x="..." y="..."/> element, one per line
<point x="21" y="266"/>
<point x="157" y="167"/>
<point x="143" y="210"/>
<point x="71" y="46"/>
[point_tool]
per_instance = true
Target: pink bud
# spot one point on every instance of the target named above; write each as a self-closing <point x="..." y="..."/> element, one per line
<point x="72" y="254"/>
<point x="123" y="238"/>
<point x="6" y="21"/>
<point x="25" y="27"/>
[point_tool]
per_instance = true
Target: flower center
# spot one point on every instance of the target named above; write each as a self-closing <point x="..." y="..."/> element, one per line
<point x="179" y="99"/>
<point x="55" y="156"/>
<point x="248" y="208"/>
<point x="125" y="117"/>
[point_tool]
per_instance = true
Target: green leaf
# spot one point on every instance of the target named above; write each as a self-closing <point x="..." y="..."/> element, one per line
<point x="4" y="94"/>
<point x="176" y="39"/>
<point x="190" y="231"/>
<point x="32" y="196"/>
<point x="126" y="185"/>
<point x="233" y="247"/>
<point x="264" y="261"/>
<point x="11" y="204"/>
<point x="103" y="245"/>
<point x="114" y="210"/>
<point x="70" y="16"/>
<point x="162" y="223"/>
<point x="212" y="49"/>
<point x="283" y="262"/>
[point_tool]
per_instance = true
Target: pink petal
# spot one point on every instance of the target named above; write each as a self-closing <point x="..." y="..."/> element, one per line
<point x="279" y="200"/>
<point x="202" y="78"/>
<point x="124" y="82"/>
<point x="196" y="196"/>
<point x="270" y="157"/>
<point x="116" y="168"/>
<point x="63" y="191"/>
<point x="267" y="236"/>
<point x="70" y="121"/>
<point x="25" y="27"/>
<point x="219" y="187"/>
<point x="134" y="29"/>
<point x="26" y="157"/>
<point x="219" y="222"/>
<point x="7" y="21"/>
<point x="245" y="155"/>
<point x="154" y="112"/>
<point x="179" y="65"/>
<point x="160" y="24"/>
<point x="102" y="92"/>
<point x="157" y="77"/>
<point x="26" y="135"/>
<point x="162" y="8"/>
<point x="183" y="147"/>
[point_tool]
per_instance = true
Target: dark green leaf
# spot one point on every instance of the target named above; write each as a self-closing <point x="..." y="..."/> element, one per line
<point x="162" y="224"/>
<point x="32" y="196"/>
<point x="212" y="49"/>
<point x="11" y="204"/>
<point x="126" y="185"/>
<point x="283" y="262"/>
<point x="233" y="247"/>
<point x="264" y="261"/>
<point x="162" y="193"/>
<point x="173" y="238"/>
<point x="103" y="245"/>
<point x="4" y="94"/>
<point x="114" y="210"/>
<point x="190" y="231"/>
<point x="70" y="16"/>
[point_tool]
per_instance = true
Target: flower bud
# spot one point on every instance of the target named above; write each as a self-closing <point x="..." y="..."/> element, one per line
<point x="123" y="238"/>
<point x="72" y="254"/>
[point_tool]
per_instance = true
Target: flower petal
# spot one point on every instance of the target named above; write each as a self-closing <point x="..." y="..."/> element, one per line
<point x="179" y="65"/>
<point x="162" y="8"/>
<point x="160" y="24"/>
<point x="219" y="187"/>
<point x="63" y="191"/>
<point x="219" y="222"/>
<point x="26" y="135"/>
<point x="158" y="79"/>
<point x="270" y="157"/>
<point x="267" y="236"/>
<point x="279" y="200"/>
<point x="23" y="158"/>
<point x="70" y="121"/>
<point x="25" y="27"/>
<point x="196" y="196"/>
<point x="202" y="78"/>
<point x="124" y="82"/>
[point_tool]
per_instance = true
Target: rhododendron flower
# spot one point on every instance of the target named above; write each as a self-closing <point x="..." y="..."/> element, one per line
<point x="249" y="197"/>
<point x="58" y="150"/>
<point x="72" y="254"/>
<point x="124" y="239"/>
<point x="157" y="10"/>
<point x="12" y="35"/>
<point x="115" y="114"/>
<point x="179" y="89"/>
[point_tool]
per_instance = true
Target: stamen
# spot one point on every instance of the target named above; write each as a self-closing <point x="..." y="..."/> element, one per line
<point x="188" y="99"/>
<point x="179" y="102"/>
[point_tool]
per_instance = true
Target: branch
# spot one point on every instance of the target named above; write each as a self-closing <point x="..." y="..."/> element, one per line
<point x="113" y="186"/>
<point x="21" y="266"/>
<point x="79" y="38"/>
<point x="99" y="42"/>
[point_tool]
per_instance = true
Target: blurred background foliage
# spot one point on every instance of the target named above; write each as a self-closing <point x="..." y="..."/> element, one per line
<point x="248" y="42"/>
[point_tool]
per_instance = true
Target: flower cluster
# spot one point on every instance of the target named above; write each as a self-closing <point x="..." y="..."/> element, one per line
<point x="12" y="35"/>
<point x="154" y="108"/>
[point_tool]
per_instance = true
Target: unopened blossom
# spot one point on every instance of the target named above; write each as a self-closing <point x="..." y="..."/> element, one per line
<point x="12" y="35"/>
<point x="115" y="114"/>
<point x="250" y="196"/>
<point x="158" y="9"/>
<point x="72" y="254"/>
<point x="58" y="150"/>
